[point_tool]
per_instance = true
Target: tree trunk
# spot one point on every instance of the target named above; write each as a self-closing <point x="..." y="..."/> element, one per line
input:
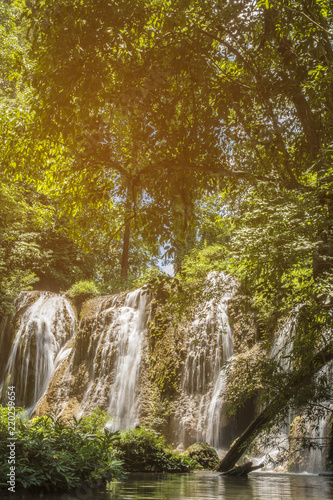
<point x="300" y="379"/>
<point x="126" y="241"/>
<point x="243" y="470"/>
<point x="125" y="252"/>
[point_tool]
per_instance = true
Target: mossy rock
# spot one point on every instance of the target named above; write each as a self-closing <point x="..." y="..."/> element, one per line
<point x="204" y="454"/>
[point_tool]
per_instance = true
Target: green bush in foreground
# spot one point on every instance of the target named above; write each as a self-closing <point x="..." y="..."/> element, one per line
<point x="53" y="456"/>
<point x="142" y="450"/>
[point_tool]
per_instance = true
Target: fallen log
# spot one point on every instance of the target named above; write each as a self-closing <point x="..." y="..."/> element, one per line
<point x="242" y="470"/>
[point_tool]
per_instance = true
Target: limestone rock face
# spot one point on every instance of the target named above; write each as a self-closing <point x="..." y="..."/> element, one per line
<point x="148" y="362"/>
<point x="131" y="356"/>
<point x="204" y="454"/>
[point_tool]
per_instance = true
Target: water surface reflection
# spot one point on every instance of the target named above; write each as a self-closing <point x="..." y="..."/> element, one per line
<point x="212" y="486"/>
<point x="207" y="486"/>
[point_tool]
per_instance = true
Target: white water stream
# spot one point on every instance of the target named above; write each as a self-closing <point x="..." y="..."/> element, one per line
<point x="117" y="334"/>
<point x="37" y="347"/>
<point x="210" y="347"/>
<point x="128" y="342"/>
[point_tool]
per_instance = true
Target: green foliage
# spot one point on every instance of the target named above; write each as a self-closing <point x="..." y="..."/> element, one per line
<point x="142" y="450"/>
<point x="145" y="146"/>
<point x="199" y="263"/>
<point x="54" y="456"/>
<point x="18" y="248"/>
<point x="83" y="290"/>
<point x="278" y="249"/>
<point x="34" y="249"/>
<point x="150" y="274"/>
<point x="13" y="49"/>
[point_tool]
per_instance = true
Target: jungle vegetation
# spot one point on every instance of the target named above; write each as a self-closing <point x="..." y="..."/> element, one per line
<point x="80" y="456"/>
<point x="200" y="130"/>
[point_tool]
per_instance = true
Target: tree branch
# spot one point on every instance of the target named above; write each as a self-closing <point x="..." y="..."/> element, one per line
<point x="299" y="379"/>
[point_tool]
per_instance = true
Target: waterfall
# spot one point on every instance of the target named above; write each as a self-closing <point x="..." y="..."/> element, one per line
<point x="214" y="411"/>
<point x="112" y="335"/>
<point x="198" y="412"/>
<point x="109" y="361"/>
<point x="43" y="329"/>
<point x="319" y="431"/>
<point x="128" y="342"/>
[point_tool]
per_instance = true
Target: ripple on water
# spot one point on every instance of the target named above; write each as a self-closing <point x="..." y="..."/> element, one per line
<point x="212" y="486"/>
<point x="208" y="486"/>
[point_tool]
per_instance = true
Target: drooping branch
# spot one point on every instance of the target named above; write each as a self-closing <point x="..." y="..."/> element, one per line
<point x="299" y="379"/>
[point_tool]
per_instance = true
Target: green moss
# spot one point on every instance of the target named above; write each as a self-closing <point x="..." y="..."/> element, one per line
<point x="204" y="454"/>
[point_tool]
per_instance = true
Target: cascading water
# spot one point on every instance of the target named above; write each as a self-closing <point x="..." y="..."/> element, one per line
<point x="214" y="411"/>
<point x="319" y="431"/>
<point x="288" y="438"/>
<point x="128" y="341"/>
<point x="209" y="347"/>
<point x="281" y="352"/>
<point x="109" y="364"/>
<point x="43" y="330"/>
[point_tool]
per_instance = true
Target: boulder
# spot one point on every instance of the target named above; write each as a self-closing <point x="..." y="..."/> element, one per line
<point x="204" y="454"/>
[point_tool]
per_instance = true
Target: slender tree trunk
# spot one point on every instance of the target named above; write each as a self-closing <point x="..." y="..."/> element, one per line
<point x="300" y="379"/>
<point x="126" y="241"/>
<point x="125" y="253"/>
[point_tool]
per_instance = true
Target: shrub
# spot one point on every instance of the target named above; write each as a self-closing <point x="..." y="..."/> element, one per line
<point x="150" y="274"/>
<point x="51" y="455"/>
<point x="83" y="290"/>
<point x="142" y="450"/>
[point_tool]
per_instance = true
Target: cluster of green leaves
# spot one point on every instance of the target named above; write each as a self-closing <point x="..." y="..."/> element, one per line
<point x="142" y="450"/>
<point x="51" y="455"/>
<point x="35" y="251"/>
<point x="83" y="290"/>
<point x="13" y="50"/>
<point x="274" y="247"/>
